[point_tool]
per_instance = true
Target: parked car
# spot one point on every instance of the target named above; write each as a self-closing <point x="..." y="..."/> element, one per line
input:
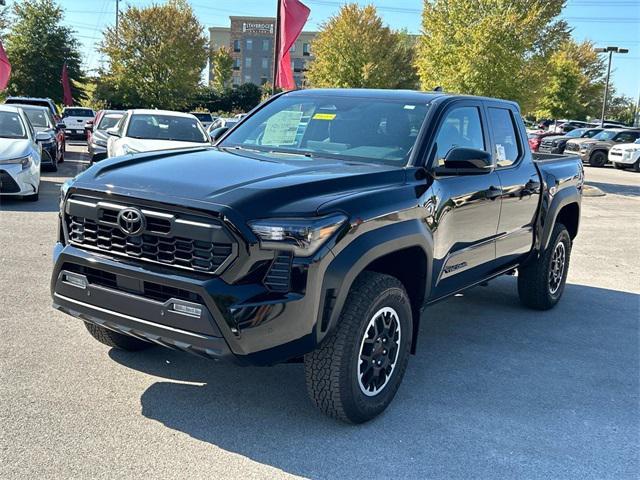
<point x="74" y="119"/>
<point x="313" y="232"/>
<point x="535" y="139"/>
<point x="626" y="155"/>
<point x="97" y="136"/>
<point x="557" y="143"/>
<point x="216" y="129"/>
<point x="42" y="121"/>
<point x="205" y="118"/>
<point x="222" y="122"/>
<point x="19" y="154"/>
<point x="565" y="126"/>
<point x="149" y="130"/>
<point x="594" y="151"/>
<point x="41" y="102"/>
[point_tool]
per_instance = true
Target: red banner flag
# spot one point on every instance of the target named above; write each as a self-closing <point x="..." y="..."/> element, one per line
<point x="67" y="98"/>
<point x="5" y="68"/>
<point x="292" y="17"/>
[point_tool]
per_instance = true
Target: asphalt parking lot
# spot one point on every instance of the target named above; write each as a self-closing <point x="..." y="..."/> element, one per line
<point x="495" y="391"/>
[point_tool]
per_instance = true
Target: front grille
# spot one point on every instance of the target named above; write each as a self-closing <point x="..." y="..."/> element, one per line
<point x="278" y="278"/>
<point x="7" y="183"/>
<point x="179" y="240"/>
<point x="572" y="147"/>
<point x="616" y="153"/>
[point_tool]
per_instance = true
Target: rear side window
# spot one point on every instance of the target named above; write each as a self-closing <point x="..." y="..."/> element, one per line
<point x="507" y="144"/>
<point x="461" y="128"/>
<point x="627" y="137"/>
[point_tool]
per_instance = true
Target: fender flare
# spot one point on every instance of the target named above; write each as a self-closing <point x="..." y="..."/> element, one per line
<point x="368" y="247"/>
<point x="560" y="200"/>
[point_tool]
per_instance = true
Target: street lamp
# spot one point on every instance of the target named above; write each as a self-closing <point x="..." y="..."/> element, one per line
<point x="611" y="51"/>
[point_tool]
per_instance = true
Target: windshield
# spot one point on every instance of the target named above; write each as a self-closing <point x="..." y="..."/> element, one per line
<point x="166" y="127"/>
<point x="591" y="133"/>
<point x="605" y="135"/>
<point x="203" y="117"/>
<point x="38" y="118"/>
<point x="11" y="126"/>
<point x="109" y="120"/>
<point x="78" y="112"/>
<point x="362" y="129"/>
<point x="577" y="133"/>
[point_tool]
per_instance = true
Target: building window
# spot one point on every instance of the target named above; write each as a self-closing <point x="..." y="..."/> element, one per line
<point x="265" y="63"/>
<point x="247" y="62"/>
<point x="305" y="50"/>
<point x="247" y="79"/>
<point x="265" y="45"/>
<point x="236" y="45"/>
<point x="236" y="64"/>
<point x="249" y="44"/>
<point x="293" y="48"/>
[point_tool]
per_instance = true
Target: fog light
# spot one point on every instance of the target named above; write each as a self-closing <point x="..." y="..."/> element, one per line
<point x="187" y="309"/>
<point x="76" y="280"/>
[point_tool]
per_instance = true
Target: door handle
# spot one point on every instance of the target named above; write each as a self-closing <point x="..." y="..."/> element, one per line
<point x="493" y="192"/>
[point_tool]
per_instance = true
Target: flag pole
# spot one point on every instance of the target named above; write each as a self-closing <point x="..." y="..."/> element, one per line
<point x="276" y="48"/>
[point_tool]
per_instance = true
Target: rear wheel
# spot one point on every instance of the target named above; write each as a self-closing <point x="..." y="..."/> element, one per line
<point x="115" y="339"/>
<point x="355" y="373"/>
<point x="598" y="159"/>
<point x="541" y="282"/>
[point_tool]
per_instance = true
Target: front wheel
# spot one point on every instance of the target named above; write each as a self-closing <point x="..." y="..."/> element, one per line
<point x="541" y="282"/>
<point x="355" y="373"/>
<point x="598" y="159"/>
<point x="636" y="166"/>
<point x="115" y="339"/>
<point x="619" y="166"/>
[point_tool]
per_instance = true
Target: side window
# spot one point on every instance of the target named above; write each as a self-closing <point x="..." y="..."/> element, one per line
<point x="461" y="128"/>
<point x="626" y="137"/>
<point x="505" y="136"/>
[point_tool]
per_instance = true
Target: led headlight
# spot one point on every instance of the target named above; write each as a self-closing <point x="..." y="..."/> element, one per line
<point x="24" y="161"/>
<point x="302" y="236"/>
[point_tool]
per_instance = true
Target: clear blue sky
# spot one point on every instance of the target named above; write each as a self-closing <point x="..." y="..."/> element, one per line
<point x="606" y="22"/>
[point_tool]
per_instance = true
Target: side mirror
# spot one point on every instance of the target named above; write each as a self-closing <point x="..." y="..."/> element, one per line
<point x="88" y="125"/>
<point x="113" y="131"/>
<point x="466" y="161"/>
<point x="60" y="126"/>
<point x="42" y="137"/>
<point x="217" y="133"/>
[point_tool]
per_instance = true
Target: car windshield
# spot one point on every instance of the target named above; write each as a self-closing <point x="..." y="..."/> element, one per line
<point x="605" y="135"/>
<point x="203" y="117"/>
<point x="577" y="133"/>
<point x="78" y="112"/>
<point x="166" y="127"/>
<point x="109" y="120"/>
<point x="361" y="129"/>
<point x="37" y="117"/>
<point x="591" y="133"/>
<point x="11" y="126"/>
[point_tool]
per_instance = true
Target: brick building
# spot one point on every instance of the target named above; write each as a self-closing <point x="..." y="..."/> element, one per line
<point x="251" y="40"/>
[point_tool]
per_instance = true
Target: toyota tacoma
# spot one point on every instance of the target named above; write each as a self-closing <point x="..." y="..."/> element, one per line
<point x="317" y="230"/>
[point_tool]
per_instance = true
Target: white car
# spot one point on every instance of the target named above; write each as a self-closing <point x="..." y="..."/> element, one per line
<point x="205" y="118"/>
<point x="20" y="154"/>
<point x="74" y="119"/>
<point x="151" y="130"/>
<point x="626" y="155"/>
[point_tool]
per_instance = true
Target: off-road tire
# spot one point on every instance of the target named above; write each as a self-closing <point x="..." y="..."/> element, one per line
<point x="598" y="159"/>
<point x="332" y="371"/>
<point x="636" y="166"/>
<point x="534" y="278"/>
<point x="115" y="339"/>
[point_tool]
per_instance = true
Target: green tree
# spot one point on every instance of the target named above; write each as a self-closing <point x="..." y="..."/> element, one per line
<point x="354" y="49"/>
<point x="489" y="47"/>
<point x="621" y="108"/>
<point x="221" y="63"/>
<point x="157" y="58"/>
<point x="37" y="45"/>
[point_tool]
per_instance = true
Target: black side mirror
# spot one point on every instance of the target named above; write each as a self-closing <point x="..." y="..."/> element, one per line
<point x="466" y="161"/>
<point x="217" y="133"/>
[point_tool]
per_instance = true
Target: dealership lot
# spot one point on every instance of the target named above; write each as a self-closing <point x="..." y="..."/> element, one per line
<point x="495" y="391"/>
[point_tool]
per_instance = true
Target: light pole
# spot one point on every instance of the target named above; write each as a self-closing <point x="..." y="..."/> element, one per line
<point x="611" y="51"/>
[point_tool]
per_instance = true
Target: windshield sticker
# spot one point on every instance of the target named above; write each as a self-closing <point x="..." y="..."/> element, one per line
<point x="281" y="129"/>
<point x="324" y="116"/>
<point x="500" y="153"/>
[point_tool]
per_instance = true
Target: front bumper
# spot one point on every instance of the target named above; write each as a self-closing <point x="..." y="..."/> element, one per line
<point x="50" y="154"/>
<point x="243" y="323"/>
<point x="97" y="152"/>
<point x="17" y="182"/>
<point x="549" y="149"/>
<point x="627" y="158"/>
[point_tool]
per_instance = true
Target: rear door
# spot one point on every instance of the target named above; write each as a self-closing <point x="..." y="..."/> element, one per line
<point x="520" y="183"/>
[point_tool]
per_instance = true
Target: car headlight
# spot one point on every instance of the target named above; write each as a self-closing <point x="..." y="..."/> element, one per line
<point x="99" y="142"/>
<point x="127" y="149"/>
<point x="24" y="161"/>
<point x="302" y="236"/>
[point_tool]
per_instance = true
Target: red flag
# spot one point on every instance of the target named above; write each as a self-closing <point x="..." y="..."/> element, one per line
<point x="67" y="98"/>
<point x="293" y="16"/>
<point x="5" y="68"/>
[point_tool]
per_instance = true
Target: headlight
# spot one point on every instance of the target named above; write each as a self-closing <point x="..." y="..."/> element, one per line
<point x="127" y="149"/>
<point x="301" y="236"/>
<point x="99" y="142"/>
<point x="24" y="161"/>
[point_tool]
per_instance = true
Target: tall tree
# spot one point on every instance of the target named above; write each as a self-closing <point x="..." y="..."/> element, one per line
<point x="355" y="49"/>
<point x="38" y="45"/>
<point x="156" y="59"/>
<point x="221" y="64"/>
<point x="489" y="47"/>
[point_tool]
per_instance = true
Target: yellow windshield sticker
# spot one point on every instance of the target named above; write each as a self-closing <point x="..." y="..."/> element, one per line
<point x="324" y="116"/>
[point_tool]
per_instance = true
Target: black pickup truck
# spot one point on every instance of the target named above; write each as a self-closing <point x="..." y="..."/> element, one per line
<point x="318" y="228"/>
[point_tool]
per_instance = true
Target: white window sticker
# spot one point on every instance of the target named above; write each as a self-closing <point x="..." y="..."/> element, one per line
<point x="501" y="155"/>
<point x="281" y="129"/>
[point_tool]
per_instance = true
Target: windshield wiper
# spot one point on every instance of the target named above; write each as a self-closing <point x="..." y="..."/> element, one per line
<point x="297" y="154"/>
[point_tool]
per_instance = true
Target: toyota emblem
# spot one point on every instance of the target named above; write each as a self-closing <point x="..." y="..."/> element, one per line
<point x="131" y="221"/>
